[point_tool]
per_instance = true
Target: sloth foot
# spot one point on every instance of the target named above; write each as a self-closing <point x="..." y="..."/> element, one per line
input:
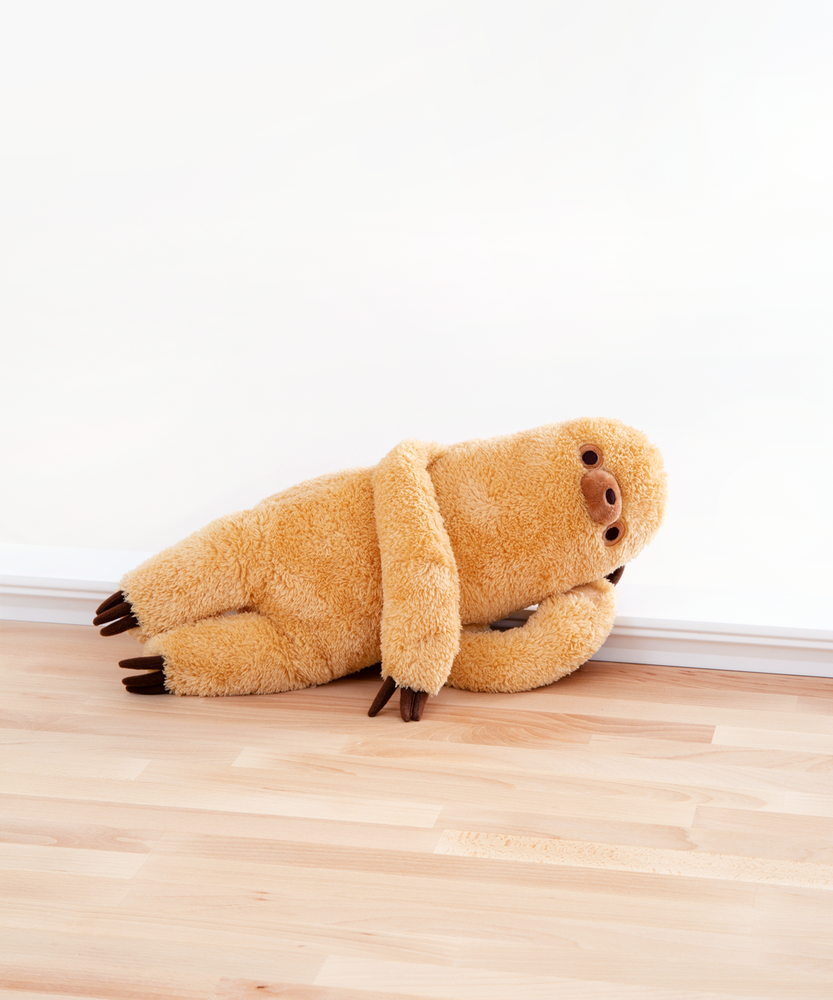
<point x="150" y="683"/>
<point x="115" y="614"/>
<point x="411" y="703"/>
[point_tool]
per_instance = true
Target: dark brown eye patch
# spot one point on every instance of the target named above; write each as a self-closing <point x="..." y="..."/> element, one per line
<point x="614" y="532"/>
<point x="591" y="456"/>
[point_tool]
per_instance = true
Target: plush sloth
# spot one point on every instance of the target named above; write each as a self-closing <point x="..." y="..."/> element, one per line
<point x="411" y="563"/>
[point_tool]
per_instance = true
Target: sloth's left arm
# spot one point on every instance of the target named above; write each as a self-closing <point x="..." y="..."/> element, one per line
<point x="420" y="587"/>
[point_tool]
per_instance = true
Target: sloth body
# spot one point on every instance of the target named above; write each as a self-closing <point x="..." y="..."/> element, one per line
<point x="409" y="562"/>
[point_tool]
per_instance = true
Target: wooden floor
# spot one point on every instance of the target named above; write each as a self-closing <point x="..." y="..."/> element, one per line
<point x="630" y="832"/>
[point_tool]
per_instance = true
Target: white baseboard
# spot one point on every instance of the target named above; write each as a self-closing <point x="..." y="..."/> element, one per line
<point x="718" y="646"/>
<point x="66" y="589"/>
<point x="63" y="602"/>
<point x="42" y="583"/>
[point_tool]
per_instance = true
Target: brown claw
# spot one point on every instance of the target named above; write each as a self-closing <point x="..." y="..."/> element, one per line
<point x="111" y="614"/>
<point x="111" y="602"/>
<point x="143" y="663"/>
<point x="411" y="704"/>
<point x="153" y="679"/>
<point x="156" y="689"/>
<point x="115" y="614"/>
<point x="420" y="701"/>
<point x="150" y="683"/>
<point x="382" y="697"/>
<point x="122" y="625"/>
<point x="406" y="703"/>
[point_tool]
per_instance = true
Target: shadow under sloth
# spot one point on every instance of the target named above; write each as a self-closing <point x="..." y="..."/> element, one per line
<point x="408" y="563"/>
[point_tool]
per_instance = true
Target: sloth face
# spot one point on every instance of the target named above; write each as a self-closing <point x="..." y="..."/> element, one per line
<point x="550" y="508"/>
<point x="623" y="485"/>
<point x="602" y="493"/>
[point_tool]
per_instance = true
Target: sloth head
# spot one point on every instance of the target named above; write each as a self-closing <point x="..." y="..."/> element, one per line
<point x="612" y="485"/>
<point x="552" y="507"/>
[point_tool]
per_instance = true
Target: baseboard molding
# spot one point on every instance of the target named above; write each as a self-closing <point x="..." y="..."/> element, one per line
<point x="718" y="646"/>
<point x="647" y="640"/>
<point x="62" y="602"/>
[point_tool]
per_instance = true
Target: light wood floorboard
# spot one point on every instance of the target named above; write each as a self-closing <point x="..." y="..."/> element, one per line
<point x="643" y="833"/>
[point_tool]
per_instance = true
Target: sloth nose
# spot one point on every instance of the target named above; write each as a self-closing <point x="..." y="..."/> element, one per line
<point x="603" y="496"/>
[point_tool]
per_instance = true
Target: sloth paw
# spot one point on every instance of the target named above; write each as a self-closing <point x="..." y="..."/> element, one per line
<point x="115" y="614"/>
<point x="150" y="683"/>
<point x="411" y="703"/>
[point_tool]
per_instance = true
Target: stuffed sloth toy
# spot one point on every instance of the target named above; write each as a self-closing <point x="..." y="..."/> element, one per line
<point x="411" y="563"/>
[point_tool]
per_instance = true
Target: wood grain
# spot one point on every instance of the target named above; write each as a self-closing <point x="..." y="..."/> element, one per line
<point x="630" y="833"/>
<point x="646" y="860"/>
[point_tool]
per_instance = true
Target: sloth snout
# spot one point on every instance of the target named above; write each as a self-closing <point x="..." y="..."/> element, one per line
<point x="603" y="496"/>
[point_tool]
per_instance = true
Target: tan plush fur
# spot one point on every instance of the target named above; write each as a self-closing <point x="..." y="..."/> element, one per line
<point x="406" y="562"/>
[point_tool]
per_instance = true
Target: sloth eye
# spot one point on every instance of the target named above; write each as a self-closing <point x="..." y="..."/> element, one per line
<point x="613" y="533"/>
<point x="591" y="456"/>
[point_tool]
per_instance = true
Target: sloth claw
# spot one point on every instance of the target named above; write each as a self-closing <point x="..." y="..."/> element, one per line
<point x="149" y="683"/>
<point x="122" y="625"/>
<point x="111" y="602"/>
<point x="411" y="703"/>
<point x="115" y="614"/>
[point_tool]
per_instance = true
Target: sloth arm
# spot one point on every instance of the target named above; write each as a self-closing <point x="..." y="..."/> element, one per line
<point x="420" y="587"/>
<point x="564" y="632"/>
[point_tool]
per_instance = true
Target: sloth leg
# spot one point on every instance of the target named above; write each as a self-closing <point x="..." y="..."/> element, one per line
<point x="246" y="653"/>
<point x="200" y="577"/>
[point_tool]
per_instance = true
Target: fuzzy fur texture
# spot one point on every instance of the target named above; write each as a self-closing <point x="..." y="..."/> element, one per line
<point x="407" y="562"/>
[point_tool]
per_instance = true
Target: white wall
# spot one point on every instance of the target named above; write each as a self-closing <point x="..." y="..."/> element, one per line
<point x="246" y="243"/>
